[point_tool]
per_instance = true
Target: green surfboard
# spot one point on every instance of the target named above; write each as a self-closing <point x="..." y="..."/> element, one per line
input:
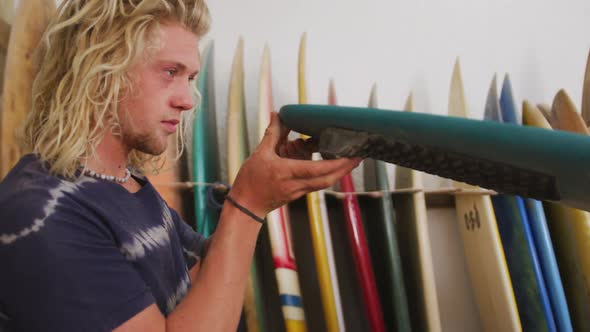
<point x="205" y="147"/>
<point x="394" y="299"/>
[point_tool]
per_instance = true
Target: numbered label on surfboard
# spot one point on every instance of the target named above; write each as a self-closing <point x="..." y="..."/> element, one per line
<point x="472" y="220"/>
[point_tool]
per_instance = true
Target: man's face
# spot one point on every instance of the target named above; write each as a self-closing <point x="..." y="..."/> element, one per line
<point x="162" y="91"/>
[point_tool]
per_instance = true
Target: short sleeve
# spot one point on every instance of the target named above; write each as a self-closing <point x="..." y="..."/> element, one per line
<point x="193" y="243"/>
<point x="67" y="274"/>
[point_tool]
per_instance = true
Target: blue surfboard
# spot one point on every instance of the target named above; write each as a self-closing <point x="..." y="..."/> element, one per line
<point x="550" y="270"/>
<point x="544" y="245"/>
<point x="513" y="226"/>
<point x="521" y="254"/>
<point x="540" y="231"/>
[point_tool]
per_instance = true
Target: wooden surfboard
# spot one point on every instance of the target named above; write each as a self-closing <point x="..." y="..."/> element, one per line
<point x="205" y="146"/>
<point x="545" y="110"/>
<point x="358" y="241"/>
<point x="565" y="120"/>
<point x="4" y="38"/>
<point x="570" y="229"/>
<point x="415" y="249"/>
<point x="7" y="11"/>
<point x="532" y="116"/>
<point x="393" y="297"/>
<point x="320" y="229"/>
<point x="521" y="253"/>
<point x="277" y="223"/>
<point x="484" y="253"/>
<point x="586" y="94"/>
<point x="237" y="152"/>
<point x="31" y="19"/>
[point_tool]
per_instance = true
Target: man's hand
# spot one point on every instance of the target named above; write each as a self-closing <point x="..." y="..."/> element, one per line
<point x="280" y="171"/>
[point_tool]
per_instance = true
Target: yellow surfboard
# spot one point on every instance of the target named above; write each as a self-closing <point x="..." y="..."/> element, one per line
<point x="533" y="116"/>
<point x="237" y="152"/>
<point x="320" y="230"/>
<point x="570" y="230"/>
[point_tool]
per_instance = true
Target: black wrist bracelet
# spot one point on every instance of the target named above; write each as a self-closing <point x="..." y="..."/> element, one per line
<point x="243" y="209"/>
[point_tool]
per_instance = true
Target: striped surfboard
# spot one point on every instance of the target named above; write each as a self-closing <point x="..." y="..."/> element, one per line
<point x="278" y="223"/>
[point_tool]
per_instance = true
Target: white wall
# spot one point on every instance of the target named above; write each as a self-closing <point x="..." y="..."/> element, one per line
<point x="407" y="45"/>
<point x="404" y="46"/>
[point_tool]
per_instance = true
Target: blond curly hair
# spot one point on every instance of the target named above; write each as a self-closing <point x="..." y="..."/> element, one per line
<point x="83" y="72"/>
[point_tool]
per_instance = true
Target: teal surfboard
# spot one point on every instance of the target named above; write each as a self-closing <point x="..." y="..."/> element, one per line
<point x="530" y="162"/>
<point x="205" y="147"/>
<point x="512" y="216"/>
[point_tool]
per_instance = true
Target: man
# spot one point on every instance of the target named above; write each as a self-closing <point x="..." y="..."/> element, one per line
<point x="86" y="243"/>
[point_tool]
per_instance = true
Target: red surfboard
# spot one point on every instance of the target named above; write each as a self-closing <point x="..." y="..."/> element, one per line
<point x="360" y="250"/>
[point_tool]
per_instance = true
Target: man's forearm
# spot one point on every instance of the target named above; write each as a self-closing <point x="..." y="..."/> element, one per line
<point x="214" y="301"/>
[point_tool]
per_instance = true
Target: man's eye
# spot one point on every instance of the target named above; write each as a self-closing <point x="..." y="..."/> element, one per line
<point x="171" y="72"/>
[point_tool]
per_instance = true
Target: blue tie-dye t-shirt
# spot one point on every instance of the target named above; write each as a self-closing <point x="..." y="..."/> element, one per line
<point x="87" y="255"/>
